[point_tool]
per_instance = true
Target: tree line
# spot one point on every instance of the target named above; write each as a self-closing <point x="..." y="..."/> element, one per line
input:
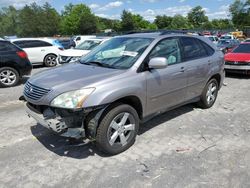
<point x="34" y="20"/>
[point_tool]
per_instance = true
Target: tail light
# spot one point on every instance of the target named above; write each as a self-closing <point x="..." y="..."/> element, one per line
<point x="22" y="54"/>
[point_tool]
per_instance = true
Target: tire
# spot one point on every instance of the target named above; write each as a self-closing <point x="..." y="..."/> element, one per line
<point x="209" y="94"/>
<point x="9" y="77"/>
<point x="50" y="60"/>
<point x="112" y="125"/>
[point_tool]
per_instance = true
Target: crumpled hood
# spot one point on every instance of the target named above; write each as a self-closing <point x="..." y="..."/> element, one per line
<point x="72" y="76"/>
<point x="74" y="53"/>
<point x="237" y="57"/>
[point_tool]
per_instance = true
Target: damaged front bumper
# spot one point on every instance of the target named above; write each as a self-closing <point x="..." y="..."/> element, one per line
<point x="60" y="121"/>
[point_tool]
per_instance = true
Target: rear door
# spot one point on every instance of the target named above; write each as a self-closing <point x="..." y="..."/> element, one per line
<point x="197" y="61"/>
<point x="166" y="87"/>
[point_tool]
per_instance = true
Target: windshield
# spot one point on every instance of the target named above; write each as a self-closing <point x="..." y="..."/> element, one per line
<point x="211" y="38"/>
<point x="223" y="42"/>
<point x="119" y="53"/>
<point x="242" y="48"/>
<point x="88" y="44"/>
<point x="226" y="37"/>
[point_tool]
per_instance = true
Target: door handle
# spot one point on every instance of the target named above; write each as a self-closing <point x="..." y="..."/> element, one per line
<point x="209" y="62"/>
<point x="182" y="69"/>
<point x="42" y="50"/>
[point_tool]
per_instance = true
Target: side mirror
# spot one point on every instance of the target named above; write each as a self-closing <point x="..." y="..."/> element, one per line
<point x="158" y="63"/>
<point x="78" y="38"/>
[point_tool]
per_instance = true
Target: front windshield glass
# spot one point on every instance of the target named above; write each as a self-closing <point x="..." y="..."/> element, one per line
<point x="88" y="45"/>
<point x="119" y="53"/>
<point x="226" y="37"/>
<point x="242" y="48"/>
<point x="223" y="42"/>
<point x="211" y="38"/>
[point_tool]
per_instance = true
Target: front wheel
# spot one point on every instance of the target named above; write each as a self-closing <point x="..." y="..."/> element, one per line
<point x="209" y="94"/>
<point x="50" y="60"/>
<point x="118" y="129"/>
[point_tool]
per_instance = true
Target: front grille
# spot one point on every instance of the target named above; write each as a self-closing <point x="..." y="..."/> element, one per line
<point x="34" y="92"/>
<point x="236" y="63"/>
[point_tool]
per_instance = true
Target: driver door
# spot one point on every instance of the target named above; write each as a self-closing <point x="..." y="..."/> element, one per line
<point x="166" y="87"/>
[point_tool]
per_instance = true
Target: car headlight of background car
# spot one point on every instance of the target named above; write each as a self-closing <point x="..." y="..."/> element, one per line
<point x="72" y="99"/>
<point x="73" y="59"/>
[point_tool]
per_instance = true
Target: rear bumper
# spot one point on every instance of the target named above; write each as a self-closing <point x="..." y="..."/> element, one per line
<point x="55" y="123"/>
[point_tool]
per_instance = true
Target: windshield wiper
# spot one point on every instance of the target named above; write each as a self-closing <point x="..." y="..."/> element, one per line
<point x="98" y="64"/>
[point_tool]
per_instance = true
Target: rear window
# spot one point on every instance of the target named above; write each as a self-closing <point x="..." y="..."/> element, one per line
<point x="242" y="48"/>
<point x="6" y="46"/>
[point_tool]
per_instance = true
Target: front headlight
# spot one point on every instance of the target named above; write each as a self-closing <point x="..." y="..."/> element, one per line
<point x="72" y="99"/>
<point x="73" y="59"/>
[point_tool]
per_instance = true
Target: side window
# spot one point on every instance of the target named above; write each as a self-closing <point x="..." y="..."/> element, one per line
<point x="40" y="43"/>
<point x="192" y="49"/>
<point x="210" y="51"/>
<point x="168" y="48"/>
<point x="5" y="46"/>
<point x="20" y="43"/>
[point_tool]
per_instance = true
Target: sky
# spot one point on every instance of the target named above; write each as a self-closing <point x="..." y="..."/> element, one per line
<point x="146" y="8"/>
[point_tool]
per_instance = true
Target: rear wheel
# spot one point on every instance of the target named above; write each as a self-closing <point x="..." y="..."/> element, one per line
<point x="118" y="129"/>
<point x="8" y="77"/>
<point x="50" y="60"/>
<point x="209" y="94"/>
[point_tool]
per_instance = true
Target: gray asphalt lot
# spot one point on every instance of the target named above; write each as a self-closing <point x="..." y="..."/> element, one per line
<point x="186" y="147"/>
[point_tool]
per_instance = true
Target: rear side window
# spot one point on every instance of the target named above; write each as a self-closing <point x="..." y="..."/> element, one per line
<point x="6" y="46"/>
<point x="192" y="49"/>
<point x="32" y="43"/>
<point x="210" y="51"/>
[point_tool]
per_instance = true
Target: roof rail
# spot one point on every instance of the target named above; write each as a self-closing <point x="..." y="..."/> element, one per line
<point x="165" y="32"/>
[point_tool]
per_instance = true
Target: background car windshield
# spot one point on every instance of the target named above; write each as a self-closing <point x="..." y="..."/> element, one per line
<point x="88" y="45"/>
<point x="226" y="37"/>
<point x="223" y="42"/>
<point x="242" y="48"/>
<point x="120" y="53"/>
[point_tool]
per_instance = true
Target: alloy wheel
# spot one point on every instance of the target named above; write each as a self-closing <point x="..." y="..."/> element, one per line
<point x="211" y="93"/>
<point x="120" y="129"/>
<point x="7" y="77"/>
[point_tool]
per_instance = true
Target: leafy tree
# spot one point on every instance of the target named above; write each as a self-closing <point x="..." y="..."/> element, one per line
<point x="179" y="22"/>
<point x="78" y="19"/>
<point x="197" y="17"/>
<point x="9" y="21"/>
<point x="240" y="12"/>
<point x="163" y="22"/>
<point x="127" y="23"/>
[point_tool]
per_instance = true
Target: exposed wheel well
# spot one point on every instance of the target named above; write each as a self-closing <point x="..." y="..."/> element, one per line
<point x="134" y="102"/>
<point x="217" y="77"/>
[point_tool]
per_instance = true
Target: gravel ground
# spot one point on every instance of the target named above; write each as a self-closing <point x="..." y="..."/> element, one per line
<point x="186" y="147"/>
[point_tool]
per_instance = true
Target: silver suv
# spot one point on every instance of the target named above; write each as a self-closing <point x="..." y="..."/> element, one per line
<point x="105" y="95"/>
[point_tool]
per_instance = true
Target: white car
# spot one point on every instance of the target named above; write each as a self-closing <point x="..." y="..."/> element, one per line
<point x="81" y="38"/>
<point x="214" y="39"/>
<point x="227" y="37"/>
<point x="41" y="51"/>
<point x="71" y="55"/>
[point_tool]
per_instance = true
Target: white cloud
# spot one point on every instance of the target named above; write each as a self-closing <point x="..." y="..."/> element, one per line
<point x="223" y="12"/>
<point x="113" y="17"/>
<point x="111" y="5"/>
<point x="20" y="3"/>
<point x="150" y="1"/>
<point x="182" y="1"/>
<point x="93" y="6"/>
